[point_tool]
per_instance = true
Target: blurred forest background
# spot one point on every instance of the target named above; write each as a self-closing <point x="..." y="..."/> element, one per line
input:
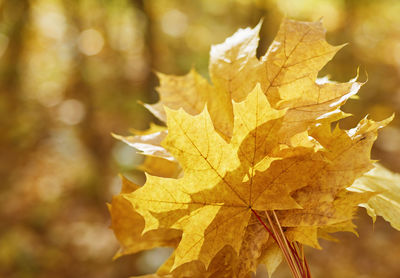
<point x="72" y="72"/>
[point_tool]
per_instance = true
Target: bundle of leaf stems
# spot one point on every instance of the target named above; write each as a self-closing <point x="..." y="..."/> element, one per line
<point x="292" y="251"/>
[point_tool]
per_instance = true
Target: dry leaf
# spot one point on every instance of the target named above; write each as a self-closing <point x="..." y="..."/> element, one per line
<point x="387" y="202"/>
<point x="257" y="140"/>
<point x="128" y="225"/>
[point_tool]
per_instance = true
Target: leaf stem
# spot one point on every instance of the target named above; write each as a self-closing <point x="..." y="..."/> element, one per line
<point x="262" y="223"/>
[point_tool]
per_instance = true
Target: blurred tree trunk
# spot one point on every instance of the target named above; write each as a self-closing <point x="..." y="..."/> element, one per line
<point x="93" y="139"/>
<point x="19" y="136"/>
<point x="151" y="55"/>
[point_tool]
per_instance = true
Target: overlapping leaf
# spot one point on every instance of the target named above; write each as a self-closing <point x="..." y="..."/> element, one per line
<point x="128" y="226"/>
<point x="257" y="139"/>
<point x="386" y="202"/>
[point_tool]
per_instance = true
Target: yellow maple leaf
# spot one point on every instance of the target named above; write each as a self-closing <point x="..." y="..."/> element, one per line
<point x="257" y="247"/>
<point x="387" y="202"/>
<point x="128" y="225"/>
<point x="260" y="168"/>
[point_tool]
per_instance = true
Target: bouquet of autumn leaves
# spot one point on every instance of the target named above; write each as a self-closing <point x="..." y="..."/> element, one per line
<point x="248" y="169"/>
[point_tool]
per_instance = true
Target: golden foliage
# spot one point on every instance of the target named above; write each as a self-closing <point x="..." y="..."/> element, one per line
<point x="257" y="140"/>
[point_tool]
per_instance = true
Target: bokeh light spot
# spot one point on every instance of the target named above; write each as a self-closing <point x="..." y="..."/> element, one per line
<point x="126" y="156"/>
<point x="174" y="23"/>
<point x="90" y="42"/>
<point x="71" y="112"/>
<point x="51" y="24"/>
<point x="49" y="93"/>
